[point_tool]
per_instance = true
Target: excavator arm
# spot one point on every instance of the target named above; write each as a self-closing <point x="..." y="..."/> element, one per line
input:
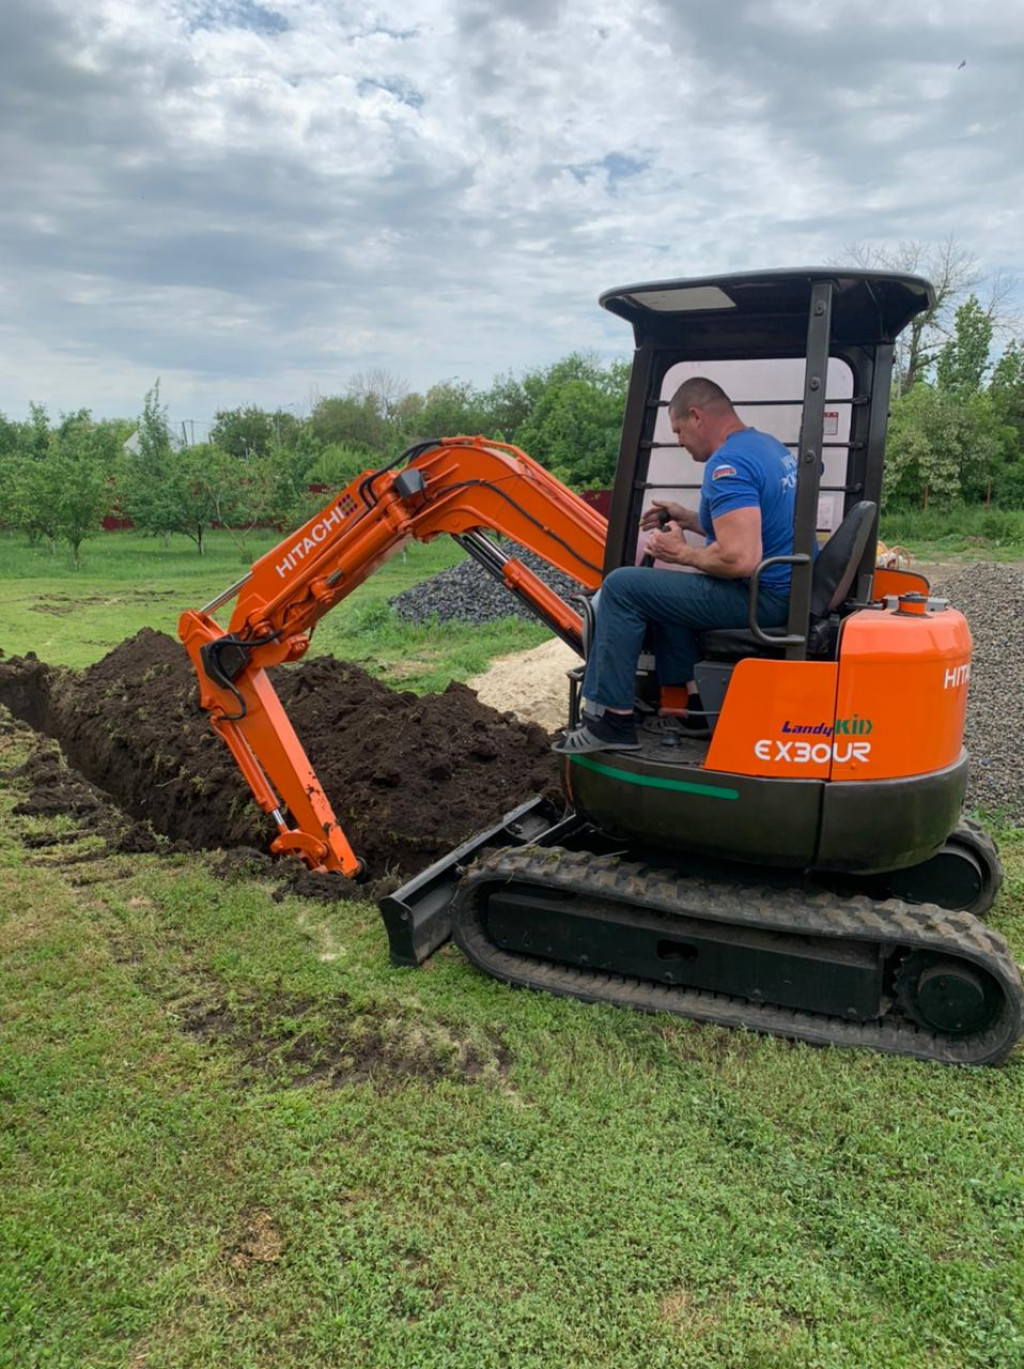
<point x="462" y="486"/>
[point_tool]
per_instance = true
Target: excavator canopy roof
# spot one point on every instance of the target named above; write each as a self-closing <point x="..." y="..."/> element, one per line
<point x="765" y="312"/>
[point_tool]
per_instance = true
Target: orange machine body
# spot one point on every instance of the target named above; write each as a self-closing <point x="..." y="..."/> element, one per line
<point x="852" y="764"/>
<point x="892" y="706"/>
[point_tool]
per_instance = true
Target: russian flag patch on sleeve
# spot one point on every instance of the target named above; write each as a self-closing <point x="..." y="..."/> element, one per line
<point x="721" y="472"/>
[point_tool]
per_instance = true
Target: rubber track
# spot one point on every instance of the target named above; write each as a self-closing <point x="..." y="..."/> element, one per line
<point x="972" y="835"/>
<point x="915" y="926"/>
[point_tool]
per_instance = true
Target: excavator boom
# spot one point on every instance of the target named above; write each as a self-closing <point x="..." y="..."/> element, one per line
<point x="462" y="486"/>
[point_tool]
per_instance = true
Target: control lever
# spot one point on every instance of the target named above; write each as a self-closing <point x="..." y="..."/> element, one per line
<point x="663" y="521"/>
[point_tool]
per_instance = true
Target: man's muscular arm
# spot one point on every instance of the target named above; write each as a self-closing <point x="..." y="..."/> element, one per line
<point x="734" y="554"/>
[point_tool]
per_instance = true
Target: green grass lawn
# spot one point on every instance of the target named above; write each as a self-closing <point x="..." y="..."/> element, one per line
<point x="973" y="533"/>
<point x="72" y="618"/>
<point x="232" y="1136"/>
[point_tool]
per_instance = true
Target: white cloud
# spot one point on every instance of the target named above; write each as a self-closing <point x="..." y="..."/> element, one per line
<point x="250" y="199"/>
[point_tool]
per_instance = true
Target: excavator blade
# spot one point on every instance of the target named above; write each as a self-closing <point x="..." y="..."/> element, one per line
<point x="418" y="917"/>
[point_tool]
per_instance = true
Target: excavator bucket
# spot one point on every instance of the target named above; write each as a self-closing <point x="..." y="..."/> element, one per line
<point x="418" y="917"/>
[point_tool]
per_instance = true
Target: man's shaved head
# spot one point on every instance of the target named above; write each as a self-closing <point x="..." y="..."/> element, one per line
<point x="699" y="393"/>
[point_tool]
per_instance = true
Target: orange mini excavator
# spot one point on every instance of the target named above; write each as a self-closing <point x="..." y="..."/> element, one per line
<point x="805" y="870"/>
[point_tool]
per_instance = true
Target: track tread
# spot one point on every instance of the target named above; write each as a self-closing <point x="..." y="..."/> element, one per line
<point x="893" y="922"/>
<point x="972" y="835"/>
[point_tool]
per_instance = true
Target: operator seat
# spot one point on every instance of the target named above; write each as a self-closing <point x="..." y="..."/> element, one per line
<point x="831" y="580"/>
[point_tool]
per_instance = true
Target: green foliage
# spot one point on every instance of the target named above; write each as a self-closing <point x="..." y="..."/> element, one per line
<point x="147" y="494"/>
<point x="82" y="463"/>
<point x="568" y="416"/>
<point x="963" y="361"/>
<point x="449" y="409"/>
<point x="1008" y="482"/>
<point x="576" y="419"/>
<point x="35" y="439"/>
<point x="251" y="431"/>
<point x="954" y="530"/>
<point x="338" y="465"/>
<point x="154" y="429"/>
<point x="351" y="421"/>
<point x="944" y="446"/>
<point x="1007" y="391"/>
<point x="28" y="504"/>
<point x="205" y="489"/>
<point x="9" y="435"/>
<point x="264" y="491"/>
<point x="958" y="440"/>
<point x="506" y="406"/>
<point x="56" y="485"/>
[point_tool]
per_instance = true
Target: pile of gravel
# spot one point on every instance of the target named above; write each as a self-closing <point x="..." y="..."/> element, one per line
<point x="467" y="594"/>
<point x="992" y="598"/>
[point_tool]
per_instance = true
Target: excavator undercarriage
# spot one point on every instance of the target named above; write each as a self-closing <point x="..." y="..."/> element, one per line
<point x="797" y="962"/>
<point x="547" y="901"/>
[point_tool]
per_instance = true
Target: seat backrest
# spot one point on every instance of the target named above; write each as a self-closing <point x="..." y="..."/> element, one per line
<point x="837" y="562"/>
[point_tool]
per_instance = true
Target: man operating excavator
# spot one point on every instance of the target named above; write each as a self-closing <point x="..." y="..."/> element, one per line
<point x="746" y="511"/>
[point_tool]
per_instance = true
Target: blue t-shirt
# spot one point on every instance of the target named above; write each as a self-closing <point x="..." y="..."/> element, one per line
<point x="754" y="470"/>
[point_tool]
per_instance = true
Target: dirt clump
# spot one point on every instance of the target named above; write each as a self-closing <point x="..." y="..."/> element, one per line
<point x="54" y="788"/>
<point x="409" y="776"/>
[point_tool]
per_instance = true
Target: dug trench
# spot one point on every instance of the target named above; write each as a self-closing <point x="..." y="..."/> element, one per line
<point x="122" y="751"/>
<point x="409" y="776"/>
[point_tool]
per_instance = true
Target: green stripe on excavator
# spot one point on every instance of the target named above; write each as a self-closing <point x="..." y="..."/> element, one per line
<point x="708" y="791"/>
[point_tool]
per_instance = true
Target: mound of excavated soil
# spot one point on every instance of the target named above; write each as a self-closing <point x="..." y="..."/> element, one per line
<point x="409" y="776"/>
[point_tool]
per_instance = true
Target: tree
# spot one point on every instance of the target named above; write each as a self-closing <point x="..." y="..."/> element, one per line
<point x="81" y="468"/>
<point x="147" y="496"/>
<point x="450" y="408"/>
<point x="154" y="429"/>
<point x="29" y="505"/>
<point x="1006" y="391"/>
<point x="1007" y="388"/>
<point x="271" y="490"/>
<point x="506" y="407"/>
<point x="380" y="388"/>
<point x="60" y="492"/>
<point x="337" y="465"/>
<point x="243" y="432"/>
<point x="350" y="422"/>
<point x="576" y="419"/>
<point x="963" y="361"/>
<point x="953" y="272"/>
<point x="943" y="447"/>
<point x="251" y="431"/>
<point x="9" y="436"/>
<point x="204" y="489"/>
<point x="35" y="438"/>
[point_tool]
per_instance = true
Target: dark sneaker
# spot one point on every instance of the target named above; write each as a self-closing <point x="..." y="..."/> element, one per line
<point x="593" y="735"/>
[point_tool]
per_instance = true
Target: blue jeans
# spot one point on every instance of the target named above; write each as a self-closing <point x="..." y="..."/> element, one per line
<point x="676" y="606"/>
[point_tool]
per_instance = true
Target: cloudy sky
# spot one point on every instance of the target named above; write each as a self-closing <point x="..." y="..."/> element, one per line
<point x="257" y="199"/>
